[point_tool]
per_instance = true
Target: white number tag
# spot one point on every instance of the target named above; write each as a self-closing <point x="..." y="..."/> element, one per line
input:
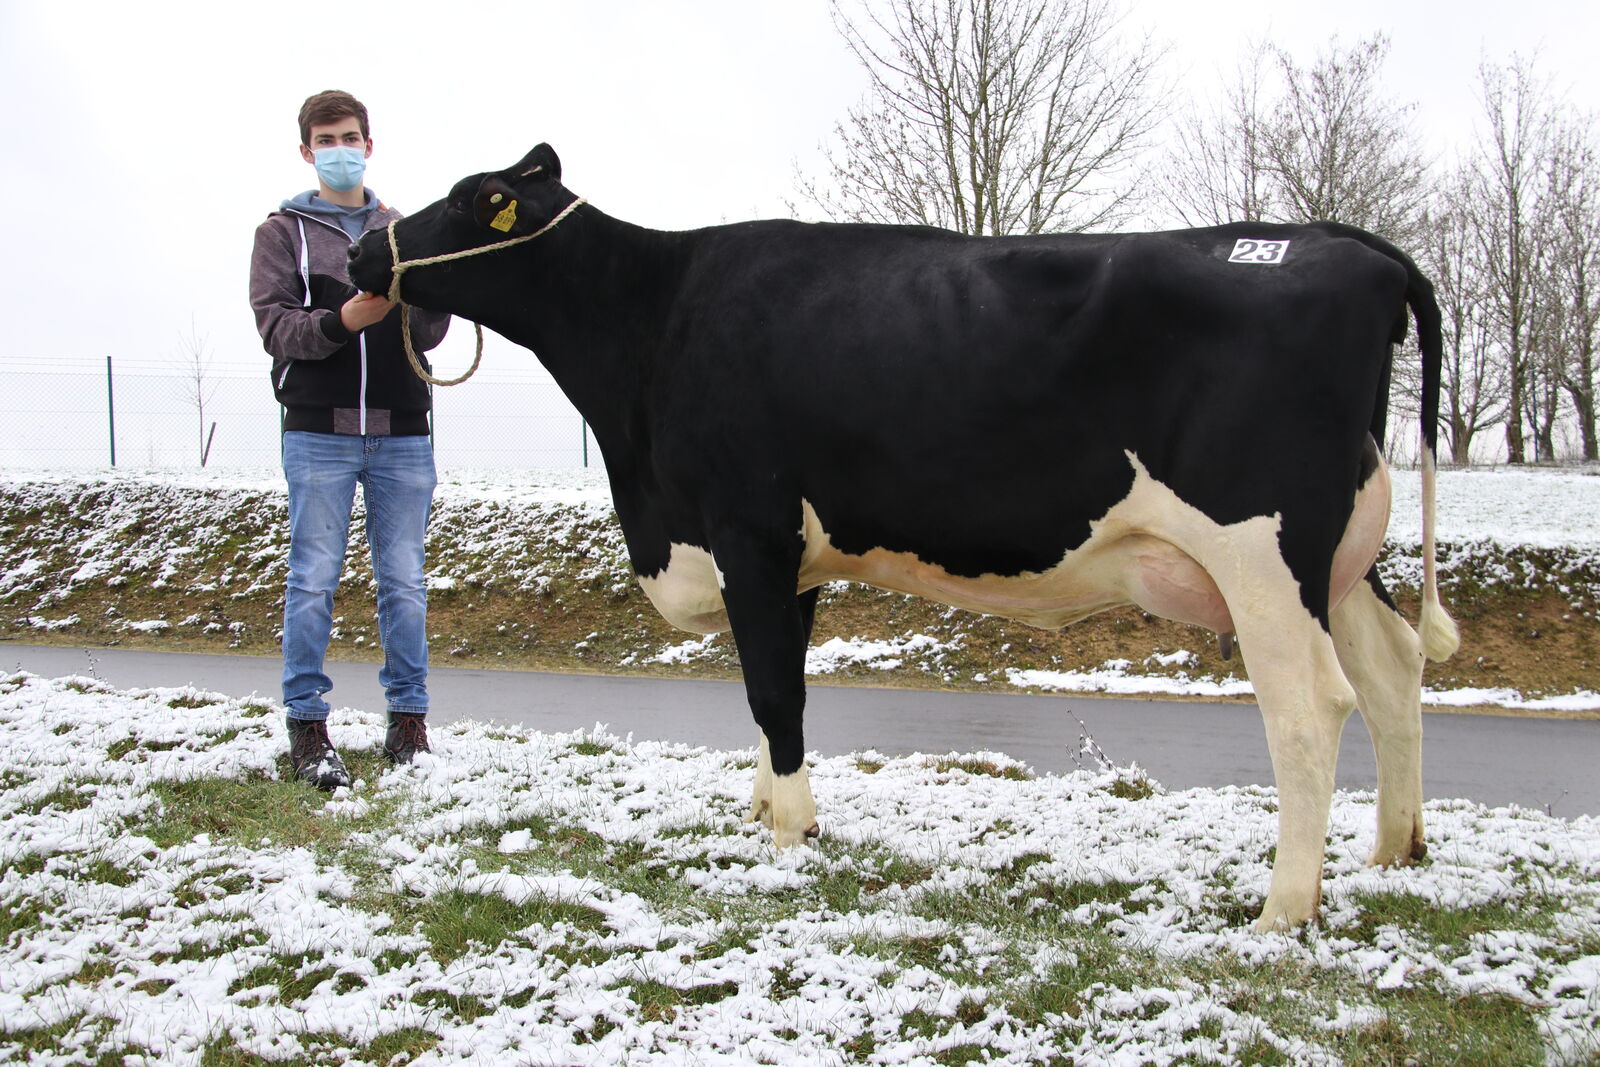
<point x="1258" y="251"/>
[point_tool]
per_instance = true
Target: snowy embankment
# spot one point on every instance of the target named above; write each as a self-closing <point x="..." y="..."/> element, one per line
<point x="532" y="532"/>
<point x="957" y="910"/>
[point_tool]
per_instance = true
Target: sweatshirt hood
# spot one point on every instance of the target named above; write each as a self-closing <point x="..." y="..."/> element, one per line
<point x="352" y="220"/>
<point x="312" y="204"/>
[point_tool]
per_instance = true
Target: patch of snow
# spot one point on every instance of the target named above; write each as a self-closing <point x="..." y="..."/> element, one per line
<point x="687" y="652"/>
<point x="1113" y="677"/>
<point x="837" y="653"/>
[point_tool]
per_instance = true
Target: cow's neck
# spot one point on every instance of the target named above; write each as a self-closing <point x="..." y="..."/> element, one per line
<point x="596" y="297"/>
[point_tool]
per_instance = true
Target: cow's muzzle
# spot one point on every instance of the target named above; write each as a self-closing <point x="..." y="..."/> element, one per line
<point x="370" y="267"/>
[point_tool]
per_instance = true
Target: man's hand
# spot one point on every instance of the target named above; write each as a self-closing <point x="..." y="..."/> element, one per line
<point x="364" y="309"/>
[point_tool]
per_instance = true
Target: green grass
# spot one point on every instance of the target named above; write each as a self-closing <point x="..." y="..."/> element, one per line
<point x="1449" y="927"/>
<point x="659" y="1002"/>
<point x="983" y="768"/>
<point x="1427" y="1028"/>
<point x="293" y="978"/>
<point x="397" y="1048"/>
<point x="245" y="811"/>
<point x="62" y="798"/>
<point x="91" y="1039"/>
<point x="456" y="920"/>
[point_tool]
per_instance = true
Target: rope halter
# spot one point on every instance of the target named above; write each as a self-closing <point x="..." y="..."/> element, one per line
<point x="400" y="269"/>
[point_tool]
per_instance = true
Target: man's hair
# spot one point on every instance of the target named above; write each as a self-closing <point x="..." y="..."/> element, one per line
<point x="329" y="106"/>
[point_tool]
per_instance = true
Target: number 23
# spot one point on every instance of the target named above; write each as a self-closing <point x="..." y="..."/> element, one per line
<point x="1247" y="251"/>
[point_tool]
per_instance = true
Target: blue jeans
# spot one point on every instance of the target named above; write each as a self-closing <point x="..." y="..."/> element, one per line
<point x="397" y="477"/>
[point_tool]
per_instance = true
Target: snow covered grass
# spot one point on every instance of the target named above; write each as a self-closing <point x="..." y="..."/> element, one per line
<point x="581" y="899"/>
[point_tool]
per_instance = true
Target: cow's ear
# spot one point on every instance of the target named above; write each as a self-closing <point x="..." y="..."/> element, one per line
<point x="495" y="205"/>
<point x="541" y="164"/>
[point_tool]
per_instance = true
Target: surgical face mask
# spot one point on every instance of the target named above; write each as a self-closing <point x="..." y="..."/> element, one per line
<point x="340" y="166"/>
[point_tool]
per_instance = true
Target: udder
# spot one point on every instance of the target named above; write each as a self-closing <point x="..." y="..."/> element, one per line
<point x="1166" y="581"/>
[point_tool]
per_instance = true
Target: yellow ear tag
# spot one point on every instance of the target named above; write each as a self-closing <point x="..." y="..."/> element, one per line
<point x="506" y="219"/>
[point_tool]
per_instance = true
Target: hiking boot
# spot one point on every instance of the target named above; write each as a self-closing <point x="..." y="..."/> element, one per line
<point x="312" y="756"/>
<point x="407" y="735"/>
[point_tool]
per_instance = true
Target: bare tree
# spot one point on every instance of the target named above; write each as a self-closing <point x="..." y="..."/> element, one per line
<point x="989" y="116"/>
<point x="198" y="388"/>
<point x="1340" y="150"/>
<point x="1291" y="143"/>
<point x="1473" y="395"/>
<point x="1511" y="159"/>
<point x="1218" y="170"/>
<point x="1571" y="285"/>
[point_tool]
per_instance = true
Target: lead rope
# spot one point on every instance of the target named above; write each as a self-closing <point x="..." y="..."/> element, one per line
<point x="405" y="308"/>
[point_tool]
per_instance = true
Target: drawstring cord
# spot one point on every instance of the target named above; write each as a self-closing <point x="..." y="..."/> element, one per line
<point x="405" y="308"/>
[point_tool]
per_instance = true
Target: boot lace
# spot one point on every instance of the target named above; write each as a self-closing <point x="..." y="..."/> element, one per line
<point x="412" y="733"/>
<point x="312" y="741"/>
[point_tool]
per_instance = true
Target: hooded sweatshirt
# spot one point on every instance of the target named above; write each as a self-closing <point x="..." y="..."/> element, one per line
<point x="328" y="379"/>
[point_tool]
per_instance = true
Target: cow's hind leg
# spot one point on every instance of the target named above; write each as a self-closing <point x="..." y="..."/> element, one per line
<point x="769" y="627"/>
<point x="1382" y="657"/>
<point x="1304" y="699"/>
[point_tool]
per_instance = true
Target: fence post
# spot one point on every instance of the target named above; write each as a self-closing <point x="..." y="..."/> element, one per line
<point x="111" y="413"/>
<point x="583" y="428"/>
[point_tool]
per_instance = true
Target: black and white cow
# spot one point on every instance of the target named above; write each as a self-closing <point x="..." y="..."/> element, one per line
<point x="1034" y="427"/>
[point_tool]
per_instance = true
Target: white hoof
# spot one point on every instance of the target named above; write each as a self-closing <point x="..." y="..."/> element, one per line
<point x="790" y="838"/>
<point x="1281" y="918"/>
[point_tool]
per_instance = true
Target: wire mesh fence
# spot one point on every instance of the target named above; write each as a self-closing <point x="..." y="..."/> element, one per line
<point x="143" y="416"/>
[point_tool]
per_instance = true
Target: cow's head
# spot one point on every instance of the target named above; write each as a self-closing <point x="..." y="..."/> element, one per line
<point x="481" y="211"/>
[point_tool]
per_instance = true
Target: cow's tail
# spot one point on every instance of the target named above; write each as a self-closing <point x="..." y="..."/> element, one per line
<point x="1440" y="638"/>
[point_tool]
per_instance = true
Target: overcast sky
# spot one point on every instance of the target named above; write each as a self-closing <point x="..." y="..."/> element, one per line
<point x="145" y="141"/>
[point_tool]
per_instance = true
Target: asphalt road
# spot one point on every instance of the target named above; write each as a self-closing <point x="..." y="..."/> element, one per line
<point x="1547" y="764"/>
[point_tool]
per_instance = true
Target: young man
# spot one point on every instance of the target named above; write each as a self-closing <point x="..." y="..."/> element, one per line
<point x="353" y="412"/>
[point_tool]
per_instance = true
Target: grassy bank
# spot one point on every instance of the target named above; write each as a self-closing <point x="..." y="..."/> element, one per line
<point x="541" y="580"/>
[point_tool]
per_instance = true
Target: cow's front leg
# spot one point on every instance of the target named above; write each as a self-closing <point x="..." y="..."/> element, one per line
<point x="771" y="627"/>
<point x="761" y="794"/>
<point x="782" y="803"/>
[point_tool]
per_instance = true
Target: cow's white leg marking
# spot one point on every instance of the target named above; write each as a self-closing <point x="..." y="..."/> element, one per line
<point x="1382" y="657"/>
<point x="794" y="809"/>
<point x="761" y="796"/>
<point x="1303" y="694"/>
<point x="783" y="802"/>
